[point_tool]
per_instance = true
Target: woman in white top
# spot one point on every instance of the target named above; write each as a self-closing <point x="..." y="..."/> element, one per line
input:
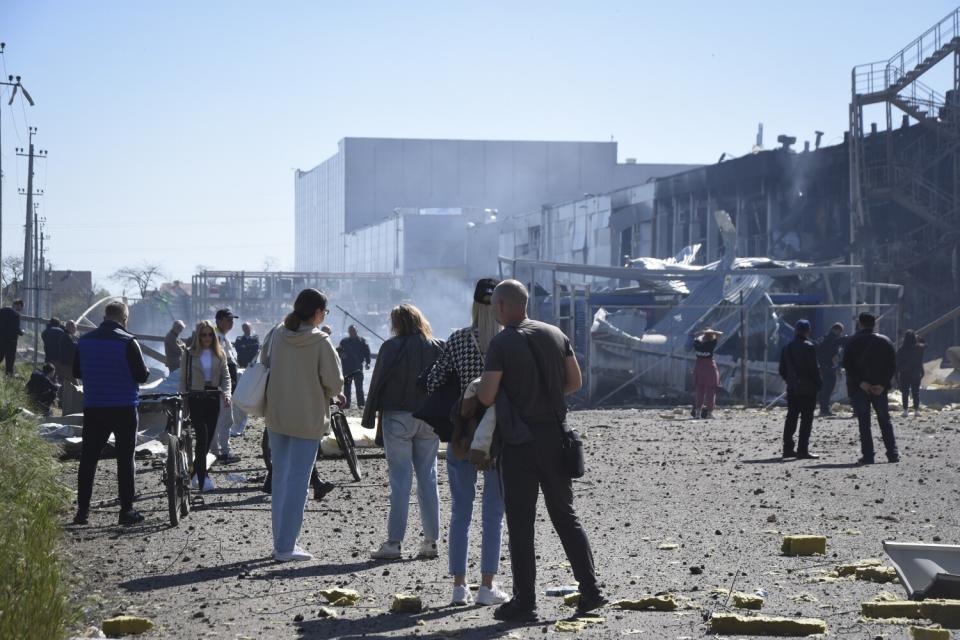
<point x="205" y="379"/>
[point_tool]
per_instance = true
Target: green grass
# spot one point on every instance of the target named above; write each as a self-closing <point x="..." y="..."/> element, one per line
<point x="34" y="595"/>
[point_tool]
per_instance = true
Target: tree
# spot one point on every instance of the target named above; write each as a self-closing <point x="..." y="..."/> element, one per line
<point x="142" y="277"/>
<point x="270" y="263"/>
<point x="11" y="271"/>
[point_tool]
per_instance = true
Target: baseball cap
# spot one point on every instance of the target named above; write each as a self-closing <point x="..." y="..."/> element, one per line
<point x="225" y="313"/>
<point x="802" y="325"/>
<point x="484" y="289"/>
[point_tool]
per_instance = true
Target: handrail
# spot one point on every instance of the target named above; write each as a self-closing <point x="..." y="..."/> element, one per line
<point x="927" y="43"/>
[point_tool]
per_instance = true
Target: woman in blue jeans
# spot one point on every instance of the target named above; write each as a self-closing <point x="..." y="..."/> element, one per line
<point x="463" y="356"/>
<point x="305" y="376"/>
<point x="410" y="444"/>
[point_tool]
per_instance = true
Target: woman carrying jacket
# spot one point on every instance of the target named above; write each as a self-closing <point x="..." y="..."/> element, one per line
<point x="910" y="370"/>
<point x="206" y="381"/>
<point x="305" y="376"/>
<point x="410" y="444"/>
<point x="463" y="356"/>
<point x="706" y="376"/>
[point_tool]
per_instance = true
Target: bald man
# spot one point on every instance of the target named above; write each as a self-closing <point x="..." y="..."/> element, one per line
<point x="530" y="366"/>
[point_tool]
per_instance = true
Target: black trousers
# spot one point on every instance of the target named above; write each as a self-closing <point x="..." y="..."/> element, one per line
<point x="8" y="353"/>
<point x="910" y="389"/>
<point x="356" y="379"/>
<point x="526" y="470"/>
<point x="265" y="451"/>
<point x="98" y="424"/>
<point x="829" y="376"/>
<point x="798" y="406"/>
<point x="204" y="411"/>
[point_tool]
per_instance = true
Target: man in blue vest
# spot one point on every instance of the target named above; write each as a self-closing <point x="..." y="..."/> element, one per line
<point x="111" y="366"/>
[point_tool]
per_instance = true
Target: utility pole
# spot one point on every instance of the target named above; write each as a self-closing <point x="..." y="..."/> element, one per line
<point x="38" y="273"/>
<point x="12" y="81"/>
<point x="28" y="240"/>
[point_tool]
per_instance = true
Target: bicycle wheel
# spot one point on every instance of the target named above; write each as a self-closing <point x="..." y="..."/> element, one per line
<point x="341" y="430"/>
<point x="185" y="475"/>
<point x="172" y="473"/>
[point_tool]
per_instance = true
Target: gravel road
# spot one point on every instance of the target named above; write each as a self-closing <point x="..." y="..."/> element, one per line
<point x="717" y="489"/>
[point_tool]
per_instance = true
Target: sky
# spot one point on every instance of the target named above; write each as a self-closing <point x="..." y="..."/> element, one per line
<point x="174" y="128"/>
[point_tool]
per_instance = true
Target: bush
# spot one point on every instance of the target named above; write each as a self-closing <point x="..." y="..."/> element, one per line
<point x="34" y="598"/>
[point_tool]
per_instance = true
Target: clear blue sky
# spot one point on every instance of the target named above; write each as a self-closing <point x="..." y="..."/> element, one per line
<point x="173" y="127"/>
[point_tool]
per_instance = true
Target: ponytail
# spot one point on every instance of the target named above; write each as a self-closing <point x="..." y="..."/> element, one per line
<point x="308" y="302"/>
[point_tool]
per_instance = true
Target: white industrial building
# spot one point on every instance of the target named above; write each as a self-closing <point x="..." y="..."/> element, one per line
<point x="401" y="205"/>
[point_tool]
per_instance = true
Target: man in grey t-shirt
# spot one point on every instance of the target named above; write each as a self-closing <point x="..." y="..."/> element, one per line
<point x="533" y="364"/>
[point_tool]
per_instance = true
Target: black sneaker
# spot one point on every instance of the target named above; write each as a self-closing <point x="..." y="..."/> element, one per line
<point x="807" y="456"/>
<point x="80" y="518"/>
<point x="229" y="459"/>
<point x="695" y="413"/>
<point x="321" y="490"/>
<point x="893" y="458"/>
<point x="513" y="611"/>
<point x="131" y="517"/>
<point x="588" y="604"/>
<point x="864" y="461"/>
<point x="789" y="453"/>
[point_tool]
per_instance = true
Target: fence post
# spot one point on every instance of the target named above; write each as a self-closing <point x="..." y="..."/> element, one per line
<point x="743" y="358"/>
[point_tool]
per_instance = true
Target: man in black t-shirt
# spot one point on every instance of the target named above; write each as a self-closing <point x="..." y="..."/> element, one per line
<point x="531" y="366"/>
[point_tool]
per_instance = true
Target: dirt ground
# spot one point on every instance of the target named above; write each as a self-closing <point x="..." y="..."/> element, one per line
<point x="717" y="489"/>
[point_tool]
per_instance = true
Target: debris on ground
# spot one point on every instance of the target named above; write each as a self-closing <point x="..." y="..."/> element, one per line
<point x="928" y="633"/>
<point x="650" y="603"/>
<point x="340" y="597"/>
<point x="944" y="612"/>
<point x="571" y="599"/>
<point x="804" y="545"/>
<point x="126" y="625"/>
<point x="406" y="603"/>
<point x="765" y="625"/>
<point x="570" y="626"/>
<point x="326" y="612"/>
<point x="747" y="601"/>
<point x="877" y="574"/>
<point x="668" y="546"/>
<point x="850" y="569"/>
<point x="890" y="609"/>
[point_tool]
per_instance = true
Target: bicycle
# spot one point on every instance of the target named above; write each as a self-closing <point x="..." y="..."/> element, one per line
<point x="341" y="431"/>
<point x="176" y="471"/>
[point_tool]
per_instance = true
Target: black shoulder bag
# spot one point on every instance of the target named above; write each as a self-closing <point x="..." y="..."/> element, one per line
<point x="439" y="405"/>
<point x="571" y="446"/>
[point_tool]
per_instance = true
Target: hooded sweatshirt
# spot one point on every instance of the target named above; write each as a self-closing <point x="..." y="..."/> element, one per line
<point x="305" y="375"/>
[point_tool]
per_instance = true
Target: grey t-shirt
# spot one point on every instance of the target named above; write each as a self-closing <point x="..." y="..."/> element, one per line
<point x="523" y="383"/>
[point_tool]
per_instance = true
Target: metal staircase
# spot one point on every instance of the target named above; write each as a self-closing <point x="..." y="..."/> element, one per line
<point x="909" y="181"/>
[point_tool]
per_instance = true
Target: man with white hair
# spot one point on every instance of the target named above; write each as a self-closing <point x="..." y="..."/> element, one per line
<point x="532" y="367"/>
<point x="173" y="346"/>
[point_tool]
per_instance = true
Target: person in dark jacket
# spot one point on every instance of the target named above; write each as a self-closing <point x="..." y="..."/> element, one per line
<point x="69" y="394"/>
<point x="410" y="444"/>
<point x="111" y="366"/>
<point x="52" y="338"/>
<point x="355" y="356"/>
<point x="10" y="333"/>
<point x="871" y="362"/>
<point x="247" y="346"/>
<point x="799" y="369"/>
<point x="910" y="370"/>
<point x="42" y="388"/>
<point x="828" y="355"/>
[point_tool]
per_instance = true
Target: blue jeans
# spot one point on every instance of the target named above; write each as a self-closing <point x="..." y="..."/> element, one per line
<point x="462" y="477"/>
<point x="861" y="401"/>
<point x="411" y="447"/>
<point x="293" y="460"/>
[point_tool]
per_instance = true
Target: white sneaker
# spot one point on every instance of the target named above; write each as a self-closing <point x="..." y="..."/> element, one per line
<point x="491" y="595"/>
<point x="906" y="413"/>
<point x="428" y="550"/>
<point x="193" y="482"/>
<point x="916" y="413"/>
<point x="297" y="555"/>
<point x="461" y="595"/>
<point x="208" y="484"/>
<point x="389" y="550"/>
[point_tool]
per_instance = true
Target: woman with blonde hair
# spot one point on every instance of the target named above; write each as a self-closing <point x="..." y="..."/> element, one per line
<point x="410" y="444"/>
<point x="305" y="376"/>
<point x="463" y="356"/>
<point x="206" y="381"/>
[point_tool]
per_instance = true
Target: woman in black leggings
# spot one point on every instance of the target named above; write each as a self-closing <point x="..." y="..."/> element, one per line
<point x="910" y="370"/>
<point x="206" y="381"/>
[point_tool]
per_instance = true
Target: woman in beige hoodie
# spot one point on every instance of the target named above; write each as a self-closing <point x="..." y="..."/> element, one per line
<point x="305" y="376"/>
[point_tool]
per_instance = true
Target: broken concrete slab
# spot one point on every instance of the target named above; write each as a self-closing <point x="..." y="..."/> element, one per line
<point x="406" y="603"/>
<point x="804" y="545"/>
<point x="731" y="623"/>
<point x="747" y="601"/>
<point x="649" y="603"/>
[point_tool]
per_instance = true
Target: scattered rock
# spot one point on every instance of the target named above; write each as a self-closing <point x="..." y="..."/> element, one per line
<point x="804" y="545"/>
<point x="732" y="623"/>
<point x="406" y="603"/>
<point x="326" y="612"/>
<point x="772" y="517"/>
<point x="668" y="546"/>
<point x="747" y="601"/>
<point x="126" y="625"/>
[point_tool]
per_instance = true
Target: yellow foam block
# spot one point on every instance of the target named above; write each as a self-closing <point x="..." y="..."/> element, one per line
<point x="804" y="545"/>
<point x="851" y="568"/>
<point x="340" y="597"/>
<point x="928" y="633"/>
<point x="747" y="601"/>
<point x="650" y="603"/>
<point x="877" y="574"/>
<point x="944" y="612"/>
<point x="126" y="625"/>
<point x="406" y="603"/>
<point x="571" y="599"/>
<point x="765" y="625"/>
<point x="891" y="609"/>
